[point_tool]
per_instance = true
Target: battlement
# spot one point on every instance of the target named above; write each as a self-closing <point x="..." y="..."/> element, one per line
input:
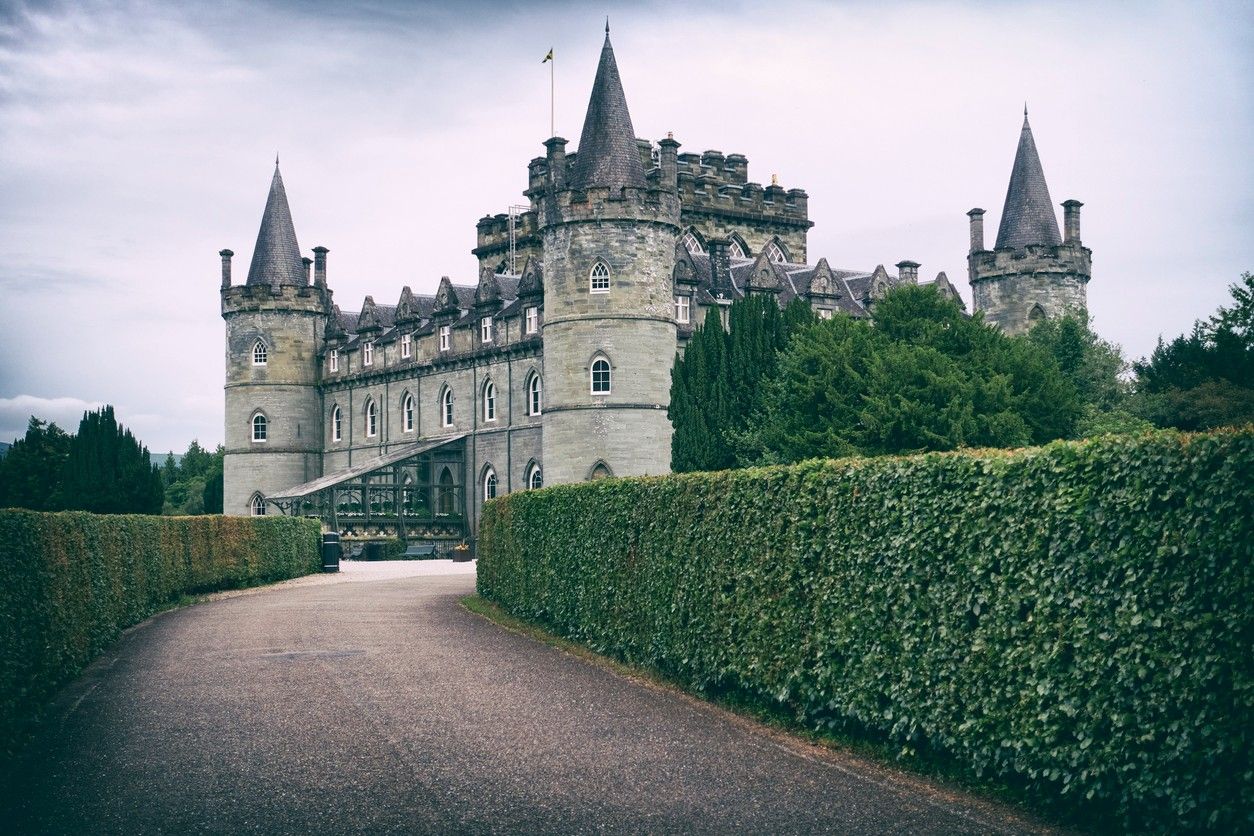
<point x="658" y="205"/>
<point x="264" y="297"/>
<point x="732" y="169"/>
<point x="1069" y="258"/>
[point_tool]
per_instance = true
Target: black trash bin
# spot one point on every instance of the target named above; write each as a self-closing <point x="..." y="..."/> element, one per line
<point x="374" y="551"/>
<point x="331" y="552"/>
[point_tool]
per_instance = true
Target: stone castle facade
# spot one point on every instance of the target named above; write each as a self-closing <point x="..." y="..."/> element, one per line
<point x="554" y="366"/>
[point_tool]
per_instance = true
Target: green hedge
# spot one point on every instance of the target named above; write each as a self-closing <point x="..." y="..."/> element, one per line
<point x="72" y="582"/>
<point x="1074" y="620"/>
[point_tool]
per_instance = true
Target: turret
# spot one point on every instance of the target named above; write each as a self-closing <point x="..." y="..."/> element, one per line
<point x="275" y="323"/>
<point x="609" y="238"/>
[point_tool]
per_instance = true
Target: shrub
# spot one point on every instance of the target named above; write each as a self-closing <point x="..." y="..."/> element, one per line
<point x="74" y="580"/>
<point x="1074" y="620"/>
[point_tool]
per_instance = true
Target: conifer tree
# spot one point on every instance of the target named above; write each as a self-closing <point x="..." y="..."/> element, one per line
<point x="108" y="471"/>
<point x="30" y="474"/>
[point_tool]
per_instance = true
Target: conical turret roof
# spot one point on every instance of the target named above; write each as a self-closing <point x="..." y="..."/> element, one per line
<point x="1028" y="216"/>
<point x="608" y="155"/>
<point x="276" y="257"/>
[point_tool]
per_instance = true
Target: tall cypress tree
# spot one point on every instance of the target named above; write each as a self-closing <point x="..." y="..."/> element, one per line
<point x="108" y="471"/>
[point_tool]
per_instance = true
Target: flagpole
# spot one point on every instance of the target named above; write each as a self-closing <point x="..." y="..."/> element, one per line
<point x="552" y="98"/>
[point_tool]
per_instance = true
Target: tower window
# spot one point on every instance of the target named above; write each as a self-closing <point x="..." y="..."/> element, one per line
<point x="485" y="329"/>
<point x="260" y="427"/>
<point x="683" y="309"/>
<point x="775" y="253"/>
<point x="372" y="420"/>
<point x="533" y="319"/>
<point x="489" y="484"/>
<point x="489" y="401"/>
<point x="257" y="505"/>
<point x="1036" y="314"/>
<point x="337" y="425"/>
<point x="600" y="376"/>
<point x="259" y="353"/>
<point x="445" y="336"/>
<point x="407" y="346"/>
<point x="367" y="354"/>
<point x="446" y="407"/>
<point x="535" y="479"/>
<point x="535" y="394"/>
<point x="599" y="278"/>
<point x="407" y="414"/>
<point x="335" y="360"/>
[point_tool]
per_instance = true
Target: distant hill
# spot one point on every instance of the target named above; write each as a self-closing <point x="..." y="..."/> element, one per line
<point x="4" y="448"/>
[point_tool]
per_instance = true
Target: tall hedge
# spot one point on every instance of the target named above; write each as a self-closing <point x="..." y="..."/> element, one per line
<point x="72" y="581"/>
<point x="1074" y="619"/>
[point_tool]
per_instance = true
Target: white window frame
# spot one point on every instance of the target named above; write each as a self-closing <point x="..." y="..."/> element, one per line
<point x="367" y="353"/>
<point x="407" y="413"/>
<point x="825" y="313"/>
<point x="599" y="277"/>
<point x="335" y="359"/>
<point x="446" y="407"/>
<point x="535" y="394"/>
<point x="683" y="309"/>
<point x="535" y="474"/>
<point x="533" y="319"/>
<point x="775" y="253"/>
<point x="691" y="244"/>
<point x="485" y="329"/>
<point x="260" y="422"/>
<point x="407" y="346"/>
<point x="372" y="419"/>
<point x="490" y="484"/>
<point x="337" y="424"/>
<point x="260" y="353"/>
<point x="257" y="505"/>
<point x="609" y="375"/>
<point x="489" y="401"/>
<point x="446" y="337"/>
<point x="736" y="251"/>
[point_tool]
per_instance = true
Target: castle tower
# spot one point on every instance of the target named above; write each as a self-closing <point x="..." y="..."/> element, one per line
<point x="1032" y="272"/>
<point x="608" y="233"/>
<point x="274" y="323"/>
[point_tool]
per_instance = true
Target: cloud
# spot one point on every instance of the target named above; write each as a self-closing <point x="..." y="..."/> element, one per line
<point x="65" y="412"/>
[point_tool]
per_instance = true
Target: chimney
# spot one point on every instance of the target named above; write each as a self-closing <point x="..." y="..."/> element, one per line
<point x="308" y="262"/>
<point x="556" y="157"/>
<point x="908" y="271"/>
<point x="668" y="155"/>
<point x="720" y="262"/>
<point x="977" y="229"/>
<point x="320" y="266"/>
<point x="226" y="267"/>
<point x="1071" y="221"/>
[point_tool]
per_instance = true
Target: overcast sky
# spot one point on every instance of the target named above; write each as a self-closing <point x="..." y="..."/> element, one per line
<point x="137" y="139"/>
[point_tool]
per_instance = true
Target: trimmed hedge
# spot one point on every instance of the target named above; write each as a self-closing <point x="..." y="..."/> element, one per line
<point x="1075" y="620"/>
<point x="73" y="581"/>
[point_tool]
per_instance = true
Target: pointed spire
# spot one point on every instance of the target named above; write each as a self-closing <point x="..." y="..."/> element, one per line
<point x="1028" y="216"/>
<point x="276" y="256"/>
<point x="608" y="155"/>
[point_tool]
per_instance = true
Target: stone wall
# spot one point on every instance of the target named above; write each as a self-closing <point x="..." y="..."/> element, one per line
<point x="1014" y="288"/>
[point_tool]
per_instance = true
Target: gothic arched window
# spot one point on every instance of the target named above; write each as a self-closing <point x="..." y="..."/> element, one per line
<point x="535" y="394"/>
<point x="691" y="242"/>
<point x="736" y="250"/>
<point x="261" y="427"/>
<point x="774" y="252"/>
<point x="599" y="278"/>
<point x="535" y="479"/>
<point x="1036" y="314"/>
<point x="600" y="376"/>
<point x="489" y="401"/>
<point x="489" y="484"/>
<point x="407" y="413"/>
<point x="257" y="505"/>
<point x="446" y="407"/>
<point x="259" y="353"/>
<point x="372" y="419"/>
<point x="337" y="424"/>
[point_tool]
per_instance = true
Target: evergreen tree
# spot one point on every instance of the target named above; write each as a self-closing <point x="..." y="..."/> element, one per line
<point x="108" y="471"/>
<point x="30" y="475"/>
<point x="211" y="496"/>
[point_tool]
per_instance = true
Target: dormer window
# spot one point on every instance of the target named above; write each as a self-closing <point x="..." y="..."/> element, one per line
<point x="485" y="329"/>
<point x="445" y="336"/>
<point x="407" y="346"/>
<point x="735" y="250"/>
<point x="259" y="353"/>
<point x="690" y="242"/>
<point x="335" y="360"/>
<point x="367" y="354"/>
<point x="775" y="253"/>
<point x="533" y="319"/>
<point x="683" y="309"/>
<point x="599" y="278"/>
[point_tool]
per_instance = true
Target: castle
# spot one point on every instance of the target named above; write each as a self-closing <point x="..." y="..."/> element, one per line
<point x="555" y="365"/>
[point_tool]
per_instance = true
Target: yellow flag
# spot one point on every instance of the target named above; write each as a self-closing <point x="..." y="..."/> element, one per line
<point x="548" y="57"/>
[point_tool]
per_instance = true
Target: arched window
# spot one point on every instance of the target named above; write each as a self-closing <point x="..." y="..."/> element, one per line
<point x="372" y="419"/>
<point x="337" y="424"/>
<point x="736" y="250"/>
<point x="446" y="407"/>
<point x="535" y="394"/>
<point x="600" y="471"/>
<point x="535" y="479"/>
<point x="446" y="493"/>
<point x="774" y="252"/>
<point x="599" y="278"/>
<point x="489" y="401"/>
<point x="691" y="242"/>
<point x="261" y="427"/>
<point x="600" y="376"/>
<point x="259" y="353"/>
<point x="407" y="413"/>
<point x="257" y="505"/>
<point x="1036" y="314"/>
<point x="489" y="484"/>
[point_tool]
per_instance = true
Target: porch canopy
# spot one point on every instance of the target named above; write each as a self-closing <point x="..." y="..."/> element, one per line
<point x="414" y="492"/>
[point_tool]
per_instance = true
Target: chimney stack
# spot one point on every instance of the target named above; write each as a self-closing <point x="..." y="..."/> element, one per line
<point x="908" y="271"/>
<point x="668" y="161"/>
<point x="719" y="250"/>
<point x="226" y="267"/>
<point x="308" y="262"/>
<point x="320" y="266"/>
<point x="1071" y="221"/>
<point x="556" y="157"/>
<point x="977" y="229"/>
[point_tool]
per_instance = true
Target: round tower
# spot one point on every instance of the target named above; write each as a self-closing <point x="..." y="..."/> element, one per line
<point x="609" y="234"/>
<point x="274" y="324"/>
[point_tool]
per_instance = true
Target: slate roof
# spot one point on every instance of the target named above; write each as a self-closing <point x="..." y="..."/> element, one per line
<point x="608" y="155"/>
<point x="276" y="256"/>
<point x="1028" y="216"/>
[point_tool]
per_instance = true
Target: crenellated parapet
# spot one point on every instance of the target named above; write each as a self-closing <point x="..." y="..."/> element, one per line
<point x="256" y="298"/>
